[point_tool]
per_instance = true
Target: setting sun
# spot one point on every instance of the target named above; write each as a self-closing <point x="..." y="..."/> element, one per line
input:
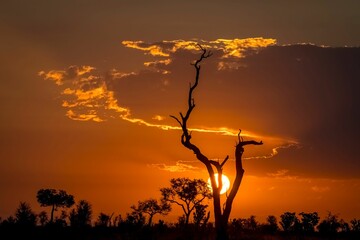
<point x="225" y="183"/>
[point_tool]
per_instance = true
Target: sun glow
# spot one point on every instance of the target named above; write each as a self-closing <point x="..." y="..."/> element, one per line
<point x="225" y="183"/>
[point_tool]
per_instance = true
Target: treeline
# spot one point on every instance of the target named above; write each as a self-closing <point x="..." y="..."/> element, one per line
<point x="75" y="220"/>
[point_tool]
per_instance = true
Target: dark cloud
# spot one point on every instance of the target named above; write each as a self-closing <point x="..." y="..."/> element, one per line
<point x="310" y="94"/>
<point x="299" y="95"/>
<point x="301" y="92"/>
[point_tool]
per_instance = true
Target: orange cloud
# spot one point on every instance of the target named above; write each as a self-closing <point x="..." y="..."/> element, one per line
<point x="180" y="166"/>
<point x="87" y="96"/>
<point x="320" y="189"/>
<point x="151" y="49"/>
<point x="231" y="48"/>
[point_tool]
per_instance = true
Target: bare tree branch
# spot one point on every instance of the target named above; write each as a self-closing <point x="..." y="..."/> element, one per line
<point x="223" y="163"/>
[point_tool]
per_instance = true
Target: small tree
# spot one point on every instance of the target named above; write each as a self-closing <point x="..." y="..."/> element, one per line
<point x="186" y="193"/>
<point x="152" y="207"/>
<point x="271" y="225"/>
<point x="43" y="218"/>
<point x="251" y="224"/>
<point x="61" y="220"/>
<point x="309" y="221"/>
<point x="288" y="221"/>
<point x="24" y="216"/>
<point x="355" y="225"/>
<point x="54" y="199"/>
<point x="81" y="216"/>
<point x="221" y="211"/>
<point x="200" y="216"/>
<point x="330" y="225"/>
<point x="134" y="220"/>
<point x="104" y="220"/>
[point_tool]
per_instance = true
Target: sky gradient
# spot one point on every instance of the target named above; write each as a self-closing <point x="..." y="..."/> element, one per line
<point x="87" y="88"/>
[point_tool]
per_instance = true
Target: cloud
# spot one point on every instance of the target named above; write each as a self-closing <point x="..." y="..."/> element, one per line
<point x="180" y="166"/>
<point x="91" y="96"/>
<point x="275" y="150"/>
<point x="279" y="173"/>
<point x="60" y="76"/>
<point x="151" y="49"/>
<point x="298" y="99"/>
<point x="85" y="94"/>
<point x="320" y="189"/>
<point x="158" y="118"/>
<point x="230" y="48"/>
<point x="283" y="175"/>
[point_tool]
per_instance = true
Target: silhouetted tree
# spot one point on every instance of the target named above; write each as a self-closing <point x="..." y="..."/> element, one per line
<point x="221" y="212"/>
<point x="104" y="220"/>
<point x="8" y="222"/>
<point x="288" y="221"/>
<point x="135" y="220"/>
<point x="24" y="216"/>
<point x="43" y="218"/>
<point x="61" y="220"/>
<point x="152" y="207"/>
<point x="186" y="193"/>
<point x="344" y="226"/>
<point x="81" y="215"/>
<point x="330" y="225"/>
<point x="271" y="225"/>
<point x="117" y="220"/>
<point x="251" y="223"/>
<point x="200" y="215"/>
<point x="355" y="225"/>
<point x="309" y="221"/>
<point x="237" y="226"/>
<point x="54" y="199"/>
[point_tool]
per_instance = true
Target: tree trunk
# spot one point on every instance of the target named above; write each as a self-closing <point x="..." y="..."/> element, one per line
<point x="52" y="213"/>
<point x="150" y="220"/>
<point x="221" y="230"/>
<point x="187" y="218"/>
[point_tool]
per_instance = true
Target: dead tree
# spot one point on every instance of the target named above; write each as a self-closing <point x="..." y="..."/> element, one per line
<point x="221" y="214"/>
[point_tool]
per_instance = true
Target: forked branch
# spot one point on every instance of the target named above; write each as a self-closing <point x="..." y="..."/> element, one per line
<point x="186" y="135"/>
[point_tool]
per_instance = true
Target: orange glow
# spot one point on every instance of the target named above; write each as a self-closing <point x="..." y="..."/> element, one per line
<point x="225" y="183"/>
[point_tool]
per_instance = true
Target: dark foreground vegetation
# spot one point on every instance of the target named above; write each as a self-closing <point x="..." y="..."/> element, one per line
<point x="126" y="230"/>
<point x="78" y="224"/>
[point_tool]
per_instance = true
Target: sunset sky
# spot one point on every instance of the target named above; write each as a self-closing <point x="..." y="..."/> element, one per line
<point x="87" y="87"/>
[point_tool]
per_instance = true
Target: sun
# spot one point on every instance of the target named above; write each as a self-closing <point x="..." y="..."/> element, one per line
<point x="225" y="183"/>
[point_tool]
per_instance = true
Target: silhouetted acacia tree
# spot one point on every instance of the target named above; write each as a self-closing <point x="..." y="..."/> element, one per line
<point x="104" y="220"/>
<point x="251" y="224"/>
<point x="355" y="225"/>
<point x="344" y="226"/>
<point x="288" y="221"/>
<point x="309" y="221"/>
<point x="81" y="215"/>
<point x="271" y="225"/>
<point x="24" y="216"/>
<point x="330" y="224"/>
<point x="221" y="212"/>
<point x="200" y="215"/>
<point x="186" y="193"/>
<point x="152" y="207"/>
<point x="134" y="220"/>
<point x="54" y="199"/>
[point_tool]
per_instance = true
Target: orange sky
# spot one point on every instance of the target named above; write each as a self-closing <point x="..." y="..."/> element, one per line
<point x="87" y="90"/>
